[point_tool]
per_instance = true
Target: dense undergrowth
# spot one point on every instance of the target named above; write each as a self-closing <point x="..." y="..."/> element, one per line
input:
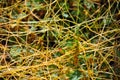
<point x="59" y="40"/>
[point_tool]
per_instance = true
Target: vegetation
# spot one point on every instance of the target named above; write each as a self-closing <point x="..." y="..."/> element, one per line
<point x="59" y="39"/>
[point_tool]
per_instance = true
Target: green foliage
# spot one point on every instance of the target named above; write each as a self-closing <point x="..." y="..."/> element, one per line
<point x="76" y="75"/>
<point x="59" y="40"/>
<point x="15" y="51"/>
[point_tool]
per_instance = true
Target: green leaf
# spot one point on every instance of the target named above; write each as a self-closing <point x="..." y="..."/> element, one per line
<point x="69" y="43"/>
<point x="57" y="54"/>
<point x="76" y="75"/>
<point x="65" y="15"/>
<point x="53" y="66"/>
<point x="15" y="51"/>
<point x="39" y="0"/>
